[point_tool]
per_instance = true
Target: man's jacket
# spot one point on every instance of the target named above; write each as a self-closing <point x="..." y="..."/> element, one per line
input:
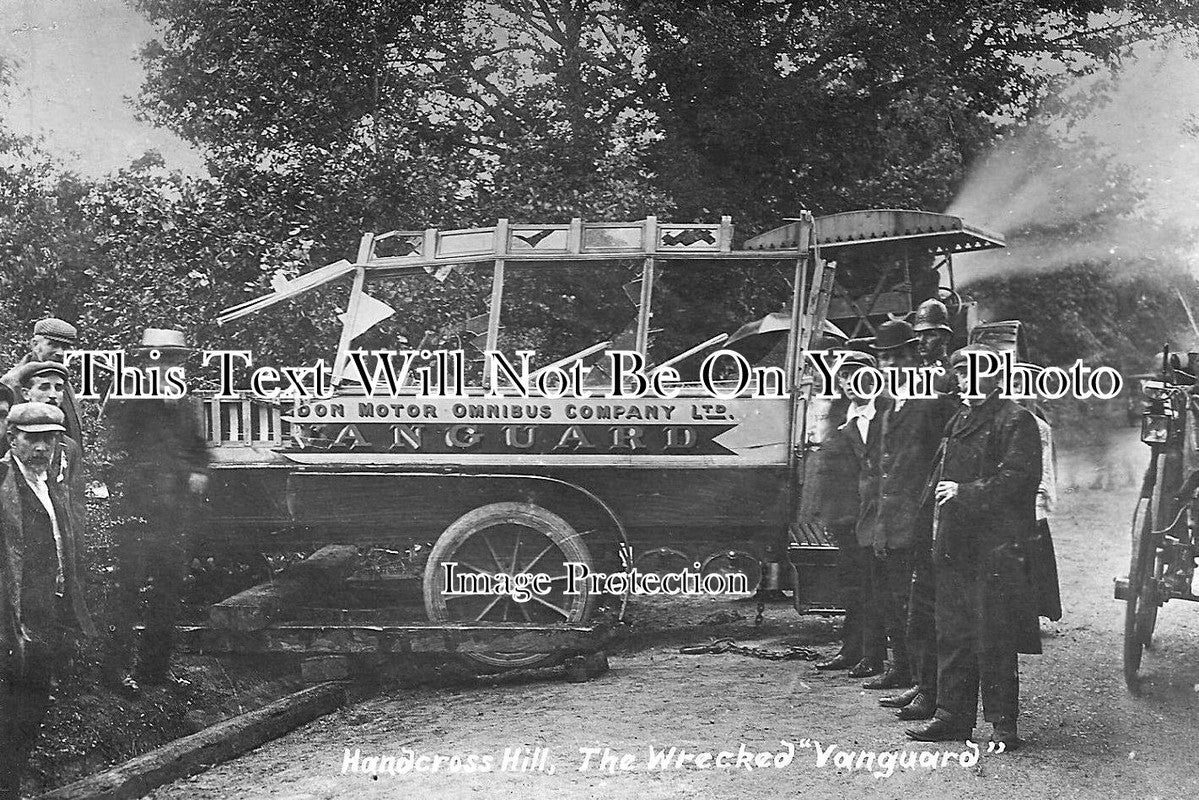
<point x="12" y="538"/>
<point x="993" y="453"/>
<point x="900" y="449"/>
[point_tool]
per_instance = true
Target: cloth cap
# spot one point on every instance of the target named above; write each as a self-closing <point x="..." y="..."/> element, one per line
<point x="35" y="418"/>
<point x="28" y="372"/>
<point x="857" y="357"/>
<point x="56" y="329"/>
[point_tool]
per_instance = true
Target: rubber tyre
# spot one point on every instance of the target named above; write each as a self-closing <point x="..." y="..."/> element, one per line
<point x="547" y="530"/>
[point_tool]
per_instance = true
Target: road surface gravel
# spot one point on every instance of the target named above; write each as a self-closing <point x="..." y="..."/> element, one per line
<point x="1086" y="737"/>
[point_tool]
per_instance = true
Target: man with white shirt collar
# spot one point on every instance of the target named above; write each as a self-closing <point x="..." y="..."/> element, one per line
<point x="48" y="382"/>
<point x="838" y="466"/>
<point x="41" y="594"/>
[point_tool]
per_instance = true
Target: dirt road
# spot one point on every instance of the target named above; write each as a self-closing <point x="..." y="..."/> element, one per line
<point x="1086" y="737"/>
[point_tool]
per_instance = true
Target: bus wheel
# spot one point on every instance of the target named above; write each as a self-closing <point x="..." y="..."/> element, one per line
<point x="511" y="539"/>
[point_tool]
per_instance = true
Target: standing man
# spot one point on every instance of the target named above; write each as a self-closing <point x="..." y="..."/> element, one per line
<point x="900" y="451"/>
<point x="41" y="596"/>
<point x="986" y="612"/>
<point x="920" y="702"/>
<point x="47" y="382"/>
<point x="838" y="467"/>
<point x="51" y="338"/>
<point x="160" y="463"/>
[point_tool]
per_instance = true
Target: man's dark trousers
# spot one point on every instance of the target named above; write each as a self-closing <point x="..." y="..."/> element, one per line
<point x="157" y="550"/>
<point x="891" y="575"/>
<point x="963" y="666"/>
<point x="24" y="701"/>
<point x="922" y="625"/>
<point x="862" y="635"/>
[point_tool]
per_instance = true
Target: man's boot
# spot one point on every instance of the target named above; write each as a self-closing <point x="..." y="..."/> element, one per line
<point x="895" y="677"/>
<point x="922" y="707"/>
<point x="1005" y="733"/>
<point x="944" y="728"/>
<point x="899" y="700"/>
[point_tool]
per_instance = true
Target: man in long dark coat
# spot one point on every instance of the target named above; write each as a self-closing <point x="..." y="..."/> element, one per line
<point x="41" y="593"/>
<point x="986" y="611"/>
<point x="901" y="448"/>
<point x="838" y="466"/>
<point x="160" y="464"/>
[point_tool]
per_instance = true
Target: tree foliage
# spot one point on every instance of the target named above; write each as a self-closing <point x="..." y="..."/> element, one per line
<point x="321" y="120"/>
<point x="770" y="105"/>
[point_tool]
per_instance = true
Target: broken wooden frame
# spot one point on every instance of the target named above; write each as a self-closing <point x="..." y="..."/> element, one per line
<point x="896" y="237"/>
<point x="510" y="245"/>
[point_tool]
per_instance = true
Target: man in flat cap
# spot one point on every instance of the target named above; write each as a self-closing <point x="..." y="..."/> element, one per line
<point x="51" y="338"/>
<point x="901" y="448"/>
<point x="41" y="595"/>
<point x="160" y="467"/>
<point x="47" y="382"/>
<point x="986" y="611"/>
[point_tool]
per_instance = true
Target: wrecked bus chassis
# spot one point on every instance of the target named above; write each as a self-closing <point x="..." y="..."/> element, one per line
<point x="647" y="485"/>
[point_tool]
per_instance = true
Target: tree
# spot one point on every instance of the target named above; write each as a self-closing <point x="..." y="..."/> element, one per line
<point x="535" y="104"/>
<point x="372" y="116"/>
<point x="46" y="255"/>
<point x="769" y="106"/>
<point x="348" y="115"/>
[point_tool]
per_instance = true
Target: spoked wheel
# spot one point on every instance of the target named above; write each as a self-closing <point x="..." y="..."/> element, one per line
<point x="511" y="539"/>
<point x="1140" y="613"/>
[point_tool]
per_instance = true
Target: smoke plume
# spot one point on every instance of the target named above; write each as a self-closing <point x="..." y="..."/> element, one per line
<point x="1121" y="182"/>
